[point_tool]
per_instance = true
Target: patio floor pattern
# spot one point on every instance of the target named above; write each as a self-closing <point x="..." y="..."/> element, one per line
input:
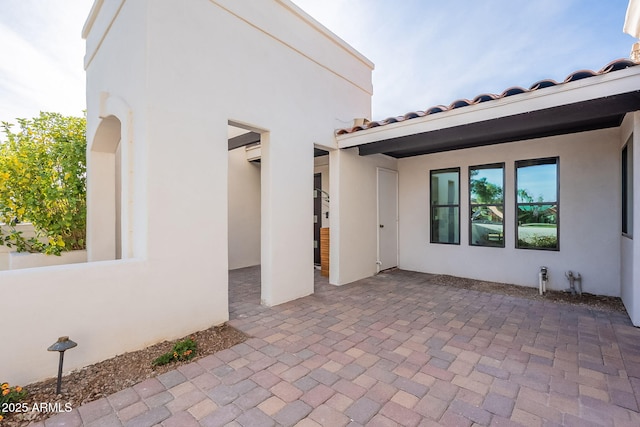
<point x="395" y="349"/>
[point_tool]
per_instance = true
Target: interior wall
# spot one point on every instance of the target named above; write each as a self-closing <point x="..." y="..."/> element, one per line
<point x="244" y="210"/>
<point x="118" y="201"/>
<point x="104" y="222"/>
<point x="589" y="230"/>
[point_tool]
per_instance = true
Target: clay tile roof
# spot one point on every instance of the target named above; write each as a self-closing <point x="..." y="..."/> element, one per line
<point x="616" y="65"/>
<point x="436" y="109"/>
<point x="516" y="90"/>
<point x="459" y="103"/>
<point x="484" y="97"/>
<point x="579" y="75"/>
<point x="413" y="115"/>
<point x="541" y="84"/>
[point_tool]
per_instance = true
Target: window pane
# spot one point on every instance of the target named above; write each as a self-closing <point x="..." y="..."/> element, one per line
<point x="485" y="185"/>
<point x="537" y="183"/>
<point x="444" y="225"/>
<point x="444" y="187"/>
<point x="487" y="228"/>
<point x="627" y="188"/>
<point x="538" y="226"/>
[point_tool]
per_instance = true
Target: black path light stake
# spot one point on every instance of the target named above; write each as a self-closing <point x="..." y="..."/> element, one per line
<point x="63" y="344"/>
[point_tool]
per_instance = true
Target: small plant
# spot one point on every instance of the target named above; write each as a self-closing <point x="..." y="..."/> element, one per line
<point x="181" y="351"/>
<point x="547" y="242"/>
<point x="9" y="397"/>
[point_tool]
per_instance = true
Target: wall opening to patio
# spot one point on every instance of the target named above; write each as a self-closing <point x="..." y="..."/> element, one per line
<point x="104" y="224"/>
<point x="243" y="198"/>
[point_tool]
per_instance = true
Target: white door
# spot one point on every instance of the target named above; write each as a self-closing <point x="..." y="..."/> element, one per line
<point x="387" y="219"/>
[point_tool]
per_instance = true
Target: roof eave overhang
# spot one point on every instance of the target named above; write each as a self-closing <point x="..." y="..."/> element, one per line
<point x="592" y="103"/>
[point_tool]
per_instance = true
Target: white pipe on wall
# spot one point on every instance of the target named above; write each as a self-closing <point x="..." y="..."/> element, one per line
<point x="542" y="279"/>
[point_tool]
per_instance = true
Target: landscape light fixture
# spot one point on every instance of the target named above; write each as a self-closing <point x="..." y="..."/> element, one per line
<point x="63" y="344"/>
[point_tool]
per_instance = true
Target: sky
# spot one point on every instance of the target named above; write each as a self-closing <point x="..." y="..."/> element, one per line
<point x="426" y="52"/>
<point x="41" y="59"/>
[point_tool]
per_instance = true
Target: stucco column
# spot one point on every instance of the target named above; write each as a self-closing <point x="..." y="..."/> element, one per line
<point x="287" y="217"/>
<point x="335" y="216"/>
<point x="354" y="212"/>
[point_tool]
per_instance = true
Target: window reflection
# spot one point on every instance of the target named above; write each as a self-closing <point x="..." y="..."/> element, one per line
<point x="486" y="196"/>
<point x="445" y="206"/>
<point x="444" y="225"/>
<point x="444" y="188"/>
<point x="537" y="183"/>
<point x="537" y="204"/>
<point x="486" y="184"/>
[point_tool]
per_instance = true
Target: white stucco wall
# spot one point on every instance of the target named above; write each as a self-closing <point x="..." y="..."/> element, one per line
<point x="630" y="244"/>
<point x="20" y="260"/>
<point x="354" y="225"/>
<point x="244" y="210"/>
<point x="589" y="214"/>
<point x="174" y="75"/>
<point x="321" y="79"/>
<point x="107" y="307"/>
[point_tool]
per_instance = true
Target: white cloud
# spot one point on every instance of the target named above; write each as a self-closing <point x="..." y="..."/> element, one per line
<point x="426" y="52"/>
<point x="42" y="67"/>
<point x="429" y="52"/>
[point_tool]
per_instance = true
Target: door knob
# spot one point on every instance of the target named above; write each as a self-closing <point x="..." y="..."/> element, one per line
<point x="381" y="226"/>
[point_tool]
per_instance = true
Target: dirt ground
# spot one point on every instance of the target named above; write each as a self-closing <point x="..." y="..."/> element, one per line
<point x="593" y="301"/>
<point x="120" y="372"/>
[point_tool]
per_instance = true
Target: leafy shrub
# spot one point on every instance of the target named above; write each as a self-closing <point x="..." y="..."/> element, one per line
<point x="182" y="350"/>
<point x="8" y="395"/>
<point x="43" y="181"/>
<point x="546" y="242"/>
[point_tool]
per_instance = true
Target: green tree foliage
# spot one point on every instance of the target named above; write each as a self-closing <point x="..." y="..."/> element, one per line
<point x="524" y="196"/>
<point x="484" y="192"/>
<point x="43" y="181"/>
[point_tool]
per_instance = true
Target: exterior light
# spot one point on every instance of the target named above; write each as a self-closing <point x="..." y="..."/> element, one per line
<point x="63" y="344"/>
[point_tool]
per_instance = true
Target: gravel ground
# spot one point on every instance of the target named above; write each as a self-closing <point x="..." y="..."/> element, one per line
<point x="120" y="372"/>
<point x="598" y="302"/>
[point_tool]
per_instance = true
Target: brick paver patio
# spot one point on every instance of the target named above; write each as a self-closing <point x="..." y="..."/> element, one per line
<point x="395" y="349"/>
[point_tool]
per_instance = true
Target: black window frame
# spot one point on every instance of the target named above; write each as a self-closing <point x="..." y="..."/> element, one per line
<point x="472" y="205"/>
<point x="627" y="188"/>
<point x="535" y="162"/>
<point x="433" y="206"/>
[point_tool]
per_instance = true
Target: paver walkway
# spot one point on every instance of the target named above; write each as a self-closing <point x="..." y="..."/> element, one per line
<point x="395" y="349"/>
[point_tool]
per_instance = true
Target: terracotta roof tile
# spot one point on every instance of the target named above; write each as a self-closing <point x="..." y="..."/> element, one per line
<point x="516" y="90"/>
<point x="542" y="84"/>
<point x="484" y="97"/>
<point x="579" y="75"/>
<point x="616" y="65"/>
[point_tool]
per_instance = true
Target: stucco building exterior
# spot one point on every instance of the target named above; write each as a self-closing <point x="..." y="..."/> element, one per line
<point x="173" y="204"/>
